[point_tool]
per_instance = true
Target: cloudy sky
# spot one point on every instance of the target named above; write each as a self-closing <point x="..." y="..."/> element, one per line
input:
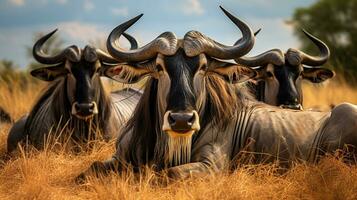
<point x="81" y="21"/>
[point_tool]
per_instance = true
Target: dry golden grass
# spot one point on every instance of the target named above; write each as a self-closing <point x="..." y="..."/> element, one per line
<point x="50" y="174"/>
<point x="330" y="93"/>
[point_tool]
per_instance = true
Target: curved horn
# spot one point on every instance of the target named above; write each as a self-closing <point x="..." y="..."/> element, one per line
<point x="255" y="35"/>
<point x="72" y="53"/>
<point x="196" y="43"/>
<point x="307" y="59"/>
<point x="41" y="57"/>
<point x="105" y="57"/>
<point x="274" y="56"/>
<point x="132" y="40"/>
<point x="165" y="44"/>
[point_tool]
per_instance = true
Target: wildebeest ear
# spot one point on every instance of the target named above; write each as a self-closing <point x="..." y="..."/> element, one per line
<point x="317" y="75"/>
<point x="49" y="73"/>
<point x="125" y="73"/>
<point x="233" y="73"/>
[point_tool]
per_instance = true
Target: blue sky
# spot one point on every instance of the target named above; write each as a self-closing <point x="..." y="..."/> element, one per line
<point x="83" y="21"/>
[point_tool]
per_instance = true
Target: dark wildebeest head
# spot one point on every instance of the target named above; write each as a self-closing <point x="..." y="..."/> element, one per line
<point x="75" y="101"/>
<point x="280" y="75"/>
<point x="186" y="91"/>
<point x="82" y="67"/>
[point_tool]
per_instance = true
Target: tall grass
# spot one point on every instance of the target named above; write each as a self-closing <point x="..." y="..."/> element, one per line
<point x="328" y="94"/>
<point x="50" y="174"/>
<point x="17" y="99"/>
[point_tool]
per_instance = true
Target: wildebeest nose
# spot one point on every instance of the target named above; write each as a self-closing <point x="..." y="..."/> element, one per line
<point x="181" y="122"/>
<point x="84" y="109"/>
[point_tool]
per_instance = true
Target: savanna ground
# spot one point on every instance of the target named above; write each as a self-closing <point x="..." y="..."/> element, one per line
<point x="50" y="174"/>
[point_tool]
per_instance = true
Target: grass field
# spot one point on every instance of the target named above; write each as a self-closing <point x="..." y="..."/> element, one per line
<point x="49" y="174"/>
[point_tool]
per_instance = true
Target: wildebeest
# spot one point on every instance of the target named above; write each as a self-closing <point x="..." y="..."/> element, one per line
<point x="280" y="75"/>
<point x="75" y="100"/>
<point x="193" y="118"/>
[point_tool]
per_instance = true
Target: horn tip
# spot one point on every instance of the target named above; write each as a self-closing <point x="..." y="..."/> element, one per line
<point x="306" y="32"/>
<point x="224" y="10"/>
<point x="53" y="32"/>
<point x="256" y="32"/>
<point x="228" y="14"/>
<point x="139" y="16"/>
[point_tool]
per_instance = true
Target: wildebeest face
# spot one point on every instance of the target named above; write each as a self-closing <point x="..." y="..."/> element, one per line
<point x="282" y="84"/>
<point x="181" y="85"/>
<point x="82" y="82"/>
<point x="80" y="70"/>
<point x="176" y="96"/>
<point x="180" y="112"/>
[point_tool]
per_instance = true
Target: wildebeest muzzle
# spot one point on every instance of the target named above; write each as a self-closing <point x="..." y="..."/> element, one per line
<point x="295" y="106"/>
<point x="84" y="110"/>
<point x="181" y="122"/>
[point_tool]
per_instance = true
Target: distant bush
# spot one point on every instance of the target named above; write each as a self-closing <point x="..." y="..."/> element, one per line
<point x="11" y="75"/>
<point x="334" y="22"/>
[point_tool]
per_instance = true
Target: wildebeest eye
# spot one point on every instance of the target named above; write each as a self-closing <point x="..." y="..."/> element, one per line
<point x="204" y="67"/>
<point x="269" y="74"/>
<point x="159" y="68"/>
<point x="98" y="70"/>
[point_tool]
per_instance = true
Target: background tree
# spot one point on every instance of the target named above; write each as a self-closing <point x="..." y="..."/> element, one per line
<point x="11" y="74"/>
<point x="335" y="23"/>
<point x="8" y="71"/>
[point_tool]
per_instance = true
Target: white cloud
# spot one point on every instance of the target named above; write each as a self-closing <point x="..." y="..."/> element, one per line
<point x="62" y="2"/>
<point x="88" y="5"/>
<point x="190" y="7"/>
<point x="17" y="2"/>
<point x="120" y="11"/>
<point x="82" y="32"/>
